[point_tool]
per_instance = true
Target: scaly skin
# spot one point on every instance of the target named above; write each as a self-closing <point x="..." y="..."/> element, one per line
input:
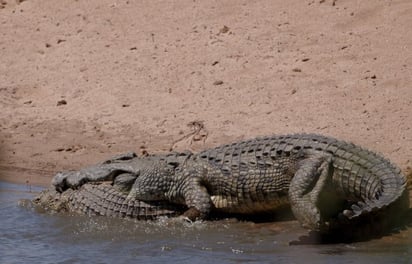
<point x="103" y="199"/>
<point x="326" y="181"/>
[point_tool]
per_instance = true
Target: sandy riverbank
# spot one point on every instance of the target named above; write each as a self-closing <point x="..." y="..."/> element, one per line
<point x="82" y="81"/>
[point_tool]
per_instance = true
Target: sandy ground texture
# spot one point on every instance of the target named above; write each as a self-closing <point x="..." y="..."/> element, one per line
<point x="81" y="81"/>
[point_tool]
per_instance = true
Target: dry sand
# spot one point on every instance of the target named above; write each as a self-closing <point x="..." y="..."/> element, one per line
<point x="81" y="81"/>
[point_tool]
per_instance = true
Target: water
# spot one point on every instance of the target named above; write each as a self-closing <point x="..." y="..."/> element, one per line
<point x="31" y="236"/>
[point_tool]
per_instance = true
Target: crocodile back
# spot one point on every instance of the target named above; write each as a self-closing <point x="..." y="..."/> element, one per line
<point x="259" y="168"/>
<point x="250" y="176"/>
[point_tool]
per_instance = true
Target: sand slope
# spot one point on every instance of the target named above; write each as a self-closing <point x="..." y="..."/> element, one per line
<point x="83" y="80"/>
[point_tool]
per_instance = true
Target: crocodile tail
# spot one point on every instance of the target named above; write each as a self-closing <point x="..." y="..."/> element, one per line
<point x="387" y="191"/>
<point x="106" y="200"/>
<point x="368" y="181"/>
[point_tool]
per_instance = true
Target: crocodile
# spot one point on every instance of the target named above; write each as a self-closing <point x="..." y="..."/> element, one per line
<point x="104" y="199"/>
<point x="325" y="181"/>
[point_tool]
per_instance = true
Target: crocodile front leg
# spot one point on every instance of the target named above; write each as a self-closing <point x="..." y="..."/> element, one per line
<point x="187" y="188"/>
<point x="305" y="188"/>
<point x="106" y="171"/>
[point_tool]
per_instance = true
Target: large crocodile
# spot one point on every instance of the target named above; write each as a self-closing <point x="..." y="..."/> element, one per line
<point x="104" y="199"/>
<point x="327" y="182"/>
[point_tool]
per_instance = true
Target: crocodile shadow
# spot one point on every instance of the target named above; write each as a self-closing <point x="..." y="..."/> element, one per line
<point x="360" y="231"/>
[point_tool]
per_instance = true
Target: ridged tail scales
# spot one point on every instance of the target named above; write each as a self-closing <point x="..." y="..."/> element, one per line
<point x="105" y="200"/>
<point x="257" y="173"/>
<point x="366" y="182"/>
<point x="337" y="178"/>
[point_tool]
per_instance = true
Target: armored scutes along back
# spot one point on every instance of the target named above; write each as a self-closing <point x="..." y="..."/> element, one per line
<point x="324" y="180"/>
<point x="359" y="175"/>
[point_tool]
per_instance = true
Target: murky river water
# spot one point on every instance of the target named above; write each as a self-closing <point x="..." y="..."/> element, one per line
<point x="30" y="236"/>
